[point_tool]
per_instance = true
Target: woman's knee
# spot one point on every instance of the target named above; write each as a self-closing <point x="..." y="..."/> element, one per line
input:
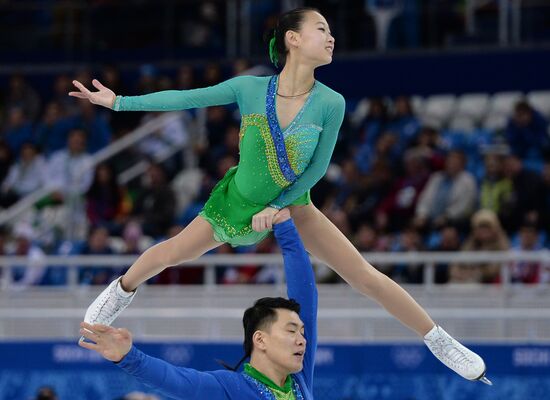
<point x="371" y="281"/>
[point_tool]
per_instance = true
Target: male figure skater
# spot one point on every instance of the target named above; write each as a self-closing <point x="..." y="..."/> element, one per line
<point x="276" y="332"/>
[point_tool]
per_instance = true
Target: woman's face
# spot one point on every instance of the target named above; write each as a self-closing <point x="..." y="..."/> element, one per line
<point x="314" y="42"/>
<point x="402" y="106"/>
<point x="484" y="232"/>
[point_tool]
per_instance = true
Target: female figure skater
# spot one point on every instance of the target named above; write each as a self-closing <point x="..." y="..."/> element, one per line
<point x="289" y="127"/>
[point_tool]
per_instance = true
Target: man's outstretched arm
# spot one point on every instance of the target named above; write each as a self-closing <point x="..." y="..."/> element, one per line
<point x="300" y="286"/>
<point x="176" y="382"/>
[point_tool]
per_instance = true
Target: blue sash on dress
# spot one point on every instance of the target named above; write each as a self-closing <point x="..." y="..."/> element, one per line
<point x="276" y="133"/>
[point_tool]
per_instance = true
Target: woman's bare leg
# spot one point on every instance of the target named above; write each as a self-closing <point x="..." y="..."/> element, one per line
<point x="323" y="240"/>
<point x="191" y="243"/>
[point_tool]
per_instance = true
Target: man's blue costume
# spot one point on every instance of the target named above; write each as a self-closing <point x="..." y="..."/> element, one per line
<point x="190" y="384"/>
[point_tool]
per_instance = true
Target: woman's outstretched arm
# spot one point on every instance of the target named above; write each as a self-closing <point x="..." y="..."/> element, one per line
<point x="226" y="92"/>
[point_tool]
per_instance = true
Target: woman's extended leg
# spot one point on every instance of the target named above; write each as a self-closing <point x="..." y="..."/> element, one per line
<point x="328" y="244"/>
<point x="323" y="240"/>
<point x="191" y="243"/>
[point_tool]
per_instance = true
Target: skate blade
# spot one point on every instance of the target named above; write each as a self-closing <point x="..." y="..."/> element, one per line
<point x="485" y="380"/>
<point x="85" y="340"/>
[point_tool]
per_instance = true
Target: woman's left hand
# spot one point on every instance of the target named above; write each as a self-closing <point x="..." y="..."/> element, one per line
<point x="264" y="219"/>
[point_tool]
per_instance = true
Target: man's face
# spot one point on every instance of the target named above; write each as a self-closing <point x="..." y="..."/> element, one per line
<point x="98" y="239"/>
<point x="53" y="113"/>
<point x="450" y="238"/>
<point x="77" y="142"/>
<point x="528" y="237"/>
<point x="512" y="166"/>
<point x="454" y="163"/>
<point x="28" y="153"/>
<point x="402" y="106"/>
<point x="284" y="343"/>
<point x="493" y="165"/>
<point x="16" y="117"/>
<point x="523" y="117"/>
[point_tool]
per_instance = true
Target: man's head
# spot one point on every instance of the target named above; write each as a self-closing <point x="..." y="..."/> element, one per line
<point x="494" y="164"/>
<point x="156" y="175"/>
<point x="455" y="162"/>
<point x="28" y="152"/>
<point x="528" y="236"/>
<point x="98" y="240"/>
<point x="46" y="393"/>
<point x="523" y="114"/>
<point x="76" y="142"/>
<point x="16" y="117"/>
<point x="274" y="332"/>
<point x="450" y="238"/>
<point x="512" y="166"/>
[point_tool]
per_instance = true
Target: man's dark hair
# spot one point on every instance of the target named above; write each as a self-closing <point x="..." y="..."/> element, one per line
<point x="46" y="393"/>
<point x="261" y="316"/>
<point x="523" y="106"/>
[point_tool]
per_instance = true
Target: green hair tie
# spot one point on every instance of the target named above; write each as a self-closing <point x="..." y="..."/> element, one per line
<point x="273" y="56"/>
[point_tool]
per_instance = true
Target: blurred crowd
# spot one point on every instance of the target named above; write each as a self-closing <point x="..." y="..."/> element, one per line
<point x="397" y="183"/>
<point x="49" y="393"/>
<point x="147" y="29"/>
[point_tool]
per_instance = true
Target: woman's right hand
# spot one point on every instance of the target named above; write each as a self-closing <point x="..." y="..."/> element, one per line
<point x="103" y="97"/>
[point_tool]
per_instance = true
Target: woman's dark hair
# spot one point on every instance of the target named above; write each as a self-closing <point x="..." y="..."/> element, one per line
<point x="288" y="21"/>
<point x="261" y="316"/>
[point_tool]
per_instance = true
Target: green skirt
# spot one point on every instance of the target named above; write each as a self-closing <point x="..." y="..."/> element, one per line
<point x="230" y="213"/>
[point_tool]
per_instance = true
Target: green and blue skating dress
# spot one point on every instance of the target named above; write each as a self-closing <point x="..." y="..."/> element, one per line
<point x="277" y="167"/>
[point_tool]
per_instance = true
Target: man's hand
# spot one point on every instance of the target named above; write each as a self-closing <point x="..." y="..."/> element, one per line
<point x="264" y="219"/>
<point x="104" y="96"/>
<point x="282" y="216"/>
<point x="112" y="343"/>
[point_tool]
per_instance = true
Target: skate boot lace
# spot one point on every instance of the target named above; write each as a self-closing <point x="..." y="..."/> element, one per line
<point x="453" y="352"/>
<point x="108" y="308"/>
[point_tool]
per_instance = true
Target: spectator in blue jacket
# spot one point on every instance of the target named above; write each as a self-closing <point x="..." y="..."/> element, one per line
<point x="95" y="124"/>
<point x="527" y="133"/>
<point x="18" y="129"/>
<point x="52" y="131"/>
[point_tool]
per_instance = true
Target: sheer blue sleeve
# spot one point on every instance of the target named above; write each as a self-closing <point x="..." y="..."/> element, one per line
<point x="173" y="100"/>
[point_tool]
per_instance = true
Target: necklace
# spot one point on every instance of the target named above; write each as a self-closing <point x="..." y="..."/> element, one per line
<point x="296" y="95"/>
